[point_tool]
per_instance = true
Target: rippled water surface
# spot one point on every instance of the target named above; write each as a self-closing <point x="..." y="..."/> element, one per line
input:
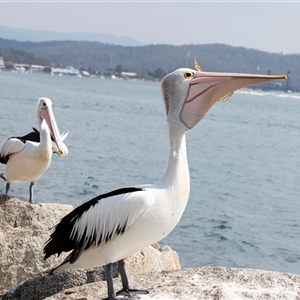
<point x="244" y="208"/>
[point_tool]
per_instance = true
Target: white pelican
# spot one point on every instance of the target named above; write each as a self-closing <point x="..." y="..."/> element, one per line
<point x="28" y="157"/>
<point x="112" y="226"/>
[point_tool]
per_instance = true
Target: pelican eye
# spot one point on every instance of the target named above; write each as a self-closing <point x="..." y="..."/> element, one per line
<point x="188" y="74"/>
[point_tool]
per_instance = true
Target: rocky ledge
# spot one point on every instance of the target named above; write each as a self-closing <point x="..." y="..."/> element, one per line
<point x="24" y="228"/>
<point x="207" y="283"/>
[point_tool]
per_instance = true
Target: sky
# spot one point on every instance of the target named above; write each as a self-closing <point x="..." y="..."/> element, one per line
<point x="268" y="26"/>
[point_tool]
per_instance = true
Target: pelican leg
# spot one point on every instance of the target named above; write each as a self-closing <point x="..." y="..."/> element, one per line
<point x="110" y="284"/>
<point x="31" y="192"/>
<point x="126" y="290"/>
<point x="7" y="188"/>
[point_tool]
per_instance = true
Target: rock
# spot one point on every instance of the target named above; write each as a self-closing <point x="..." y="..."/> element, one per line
<point x="24" y="229"/>
<point x="44" y="285"/>
<point x="207" y="283"/>
<point x="153" y="259"/>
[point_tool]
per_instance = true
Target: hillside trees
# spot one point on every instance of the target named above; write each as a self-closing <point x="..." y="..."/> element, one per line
<point x="155" y="60"/>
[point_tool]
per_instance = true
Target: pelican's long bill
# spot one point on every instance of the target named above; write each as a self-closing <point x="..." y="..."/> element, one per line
<point x="46" y="113"/>
<point x="206" y="88"/>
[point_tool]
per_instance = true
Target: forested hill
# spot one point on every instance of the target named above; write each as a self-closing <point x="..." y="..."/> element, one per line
<point x="144" y="59"/>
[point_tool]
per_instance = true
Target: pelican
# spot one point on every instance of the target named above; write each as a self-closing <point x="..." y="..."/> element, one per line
<point x="28" y="157"/>
<point x="115" y="225"/>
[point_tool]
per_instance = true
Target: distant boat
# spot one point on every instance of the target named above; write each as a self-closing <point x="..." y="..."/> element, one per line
<point x="65" y="71"/>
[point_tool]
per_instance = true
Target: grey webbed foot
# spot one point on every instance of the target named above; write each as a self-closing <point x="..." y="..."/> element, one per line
<point x="31" y="202"/>
<point x="126" y="291"/>
<point x="131" y="292"/>
<point x="119" y="298"/>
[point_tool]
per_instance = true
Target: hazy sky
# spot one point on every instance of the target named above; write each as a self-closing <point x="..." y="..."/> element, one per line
<point x="268" y="26"/>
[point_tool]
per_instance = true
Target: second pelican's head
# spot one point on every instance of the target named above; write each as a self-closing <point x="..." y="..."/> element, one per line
<point x="44" y="111"/>
<point x="189" y="94"/>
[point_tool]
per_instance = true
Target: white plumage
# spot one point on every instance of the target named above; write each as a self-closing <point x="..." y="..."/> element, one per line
<point x="112" y="226"/>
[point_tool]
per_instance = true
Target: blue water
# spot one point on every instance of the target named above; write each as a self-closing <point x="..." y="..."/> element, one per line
<point x="244" y="207"/>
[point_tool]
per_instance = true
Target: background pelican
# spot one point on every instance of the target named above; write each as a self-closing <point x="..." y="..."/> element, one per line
<point x="112" y="226"/>
<point x="28" y="157"/>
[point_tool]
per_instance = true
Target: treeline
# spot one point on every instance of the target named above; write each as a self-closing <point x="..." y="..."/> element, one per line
<point x="157" y="60"/>
<point x="15" y="56"/>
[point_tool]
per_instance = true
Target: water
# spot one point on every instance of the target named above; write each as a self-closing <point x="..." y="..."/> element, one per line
<point x="243" y="209"/>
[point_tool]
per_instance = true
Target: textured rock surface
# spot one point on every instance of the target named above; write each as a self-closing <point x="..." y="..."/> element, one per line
<point x="207" y="283"/>
<point x="153" y="259"/>
<point x="43" y="285"/>
<point x="24" y="229"/>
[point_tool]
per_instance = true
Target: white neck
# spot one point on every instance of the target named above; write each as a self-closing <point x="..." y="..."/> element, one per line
<point x="176" y="178"/>
<point x="45" y="138"/>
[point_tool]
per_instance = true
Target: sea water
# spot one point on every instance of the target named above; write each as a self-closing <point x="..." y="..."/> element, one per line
<point x="244" y="206"/>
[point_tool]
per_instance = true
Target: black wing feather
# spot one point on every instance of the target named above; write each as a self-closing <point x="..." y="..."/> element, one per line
<point x="33" y="136"/>
<point x="61" y="241"/>
<point x="4" y="159"/>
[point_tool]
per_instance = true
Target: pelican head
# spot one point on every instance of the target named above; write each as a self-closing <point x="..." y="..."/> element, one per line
<point x="44" y="111"/>
<point x="189" y="94"/>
